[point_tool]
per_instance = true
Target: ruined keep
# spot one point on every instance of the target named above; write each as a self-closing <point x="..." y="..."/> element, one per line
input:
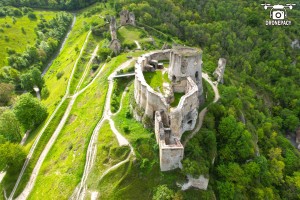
<point x="185" y="76"/>
<point x="219" y="72"/>
<point x="127" y="17"/>
<point x="115" y="44"/>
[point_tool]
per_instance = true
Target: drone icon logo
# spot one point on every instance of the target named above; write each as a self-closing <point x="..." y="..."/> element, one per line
<point x="278" y="14"/>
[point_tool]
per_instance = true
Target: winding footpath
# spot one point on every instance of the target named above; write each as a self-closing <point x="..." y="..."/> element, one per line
<point x="203" y="112"/>
<point x="38" y="165"/>
<point x="81" y="189"/>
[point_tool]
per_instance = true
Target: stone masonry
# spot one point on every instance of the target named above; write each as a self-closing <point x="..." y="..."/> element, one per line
<point x="185" y="74"/>
<point x="127" y="17"/>
<point x="115" y="44"/>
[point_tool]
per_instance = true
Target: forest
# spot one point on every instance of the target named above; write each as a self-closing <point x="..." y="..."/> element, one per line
<point x="260" y="98"/>
<point x="55" y="4"/>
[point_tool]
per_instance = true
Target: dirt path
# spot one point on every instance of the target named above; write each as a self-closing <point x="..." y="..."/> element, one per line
<point x="36" y="169"/>
<point x="61" y="46"/>
<point x="202" y="114"/>
<point x="138" y="45"/>
<point x="81" y="189"/>
<point x="94" y="54"/>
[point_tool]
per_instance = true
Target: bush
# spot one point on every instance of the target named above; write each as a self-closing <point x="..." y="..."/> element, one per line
<point x="162" y="192"/>
<point x="31" y="16"/>
<point x="147" y="121"/>
<point x="95" y="67"/>
<point x="126" y="129"/>
<point x="23" y="30"/>
<point x="59" y="75"/>
<point x="128" y="115"/>
<point x="45" y="93"/>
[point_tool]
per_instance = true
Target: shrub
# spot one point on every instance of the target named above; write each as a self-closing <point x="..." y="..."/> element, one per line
<point x="59" y="75"/>
<point x="128" y="115"/>
<point x="95" y="67"/>
<point x="31" y="16"/>
<point x="23" y="30"/>
<point x="147" y="121"/>
<point x="126" y="129"/>
<point x="45" y="93"/>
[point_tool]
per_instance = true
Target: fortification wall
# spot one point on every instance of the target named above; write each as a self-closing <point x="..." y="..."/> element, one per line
<point x="184" y="116"/>
<point x="145" y="96"/>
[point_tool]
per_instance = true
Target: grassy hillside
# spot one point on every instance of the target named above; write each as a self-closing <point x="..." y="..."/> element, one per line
<point x="18" y="32"/>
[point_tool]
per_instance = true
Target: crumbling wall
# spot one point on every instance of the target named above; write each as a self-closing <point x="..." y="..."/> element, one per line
<point x="185" y="62"/>
<point x="145" y="96"/>
<point x="127" y="17"/>
<point x="115" y="44"/>
<point x="184" y="116"/>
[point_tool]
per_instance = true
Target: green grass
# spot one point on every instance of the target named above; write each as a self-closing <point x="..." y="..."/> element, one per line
<point x="83" y="61"/>
<point x="64" y="164"/>
<point x="17" y="40"/>
<point x="119" y="86"/>
<point x="108" y="154"/>
<point x="127" y="34"/>
<point x="65" y="63"/>
<point x="156" y="79"/>
<point x="177" y="97"/>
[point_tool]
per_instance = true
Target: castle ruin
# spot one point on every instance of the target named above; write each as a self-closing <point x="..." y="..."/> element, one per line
<point x="127" y="17"/>
<point x="185" y="76"/>
<point x="115" y="44"/>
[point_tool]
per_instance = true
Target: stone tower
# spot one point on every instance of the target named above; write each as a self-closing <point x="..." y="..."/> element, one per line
<point x="185" y="62"/>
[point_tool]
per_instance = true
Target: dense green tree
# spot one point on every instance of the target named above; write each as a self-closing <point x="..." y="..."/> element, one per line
<point x="29" y="111"/>
<point x="162" y="192"/>
<point x="6" y="91"/>
<point x="10" y="127"/>
<point x="12" y="156"/>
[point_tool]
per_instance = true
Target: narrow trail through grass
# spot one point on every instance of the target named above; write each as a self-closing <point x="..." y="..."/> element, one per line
<point x="40" y="135"/>
<point x="80" y="191"/>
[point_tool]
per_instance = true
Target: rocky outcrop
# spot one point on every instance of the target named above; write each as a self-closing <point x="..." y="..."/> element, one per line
<point x="219" y="72"/>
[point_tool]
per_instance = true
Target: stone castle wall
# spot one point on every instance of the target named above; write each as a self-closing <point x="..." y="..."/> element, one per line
<point x="184" y="116"/>
<point x="144" y="94"/>
<point x="170" y="123"/>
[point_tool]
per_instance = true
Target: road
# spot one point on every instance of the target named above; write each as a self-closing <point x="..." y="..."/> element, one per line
<point x="202" y="114"/>
<point x="36" y="169"/>
<point x="81" y="189"/>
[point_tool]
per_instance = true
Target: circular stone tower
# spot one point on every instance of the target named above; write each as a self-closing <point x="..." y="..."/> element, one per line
<point x="185" y="62"/>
